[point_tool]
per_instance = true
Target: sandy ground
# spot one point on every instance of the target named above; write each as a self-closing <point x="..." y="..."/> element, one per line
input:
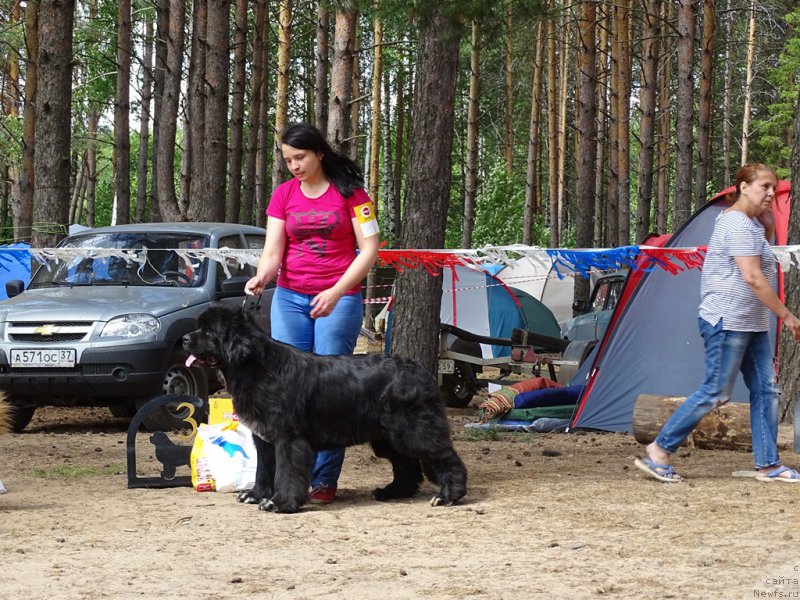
<point x="553" y="515"/>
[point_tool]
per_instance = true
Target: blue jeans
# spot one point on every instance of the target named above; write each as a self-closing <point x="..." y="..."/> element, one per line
<point x="337" y="333"/>
<point x="728" y="352"/>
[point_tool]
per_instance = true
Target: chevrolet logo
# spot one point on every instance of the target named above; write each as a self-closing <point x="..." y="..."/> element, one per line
<point x="47" y="329"/>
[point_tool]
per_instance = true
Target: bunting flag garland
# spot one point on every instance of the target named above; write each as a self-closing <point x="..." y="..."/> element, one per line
<point x="580" y="261"/>
<point x="584" y="260"/>
<point x="666" y="257"/>
<point x="787" y="256"/>
<point x="433" y="261"/>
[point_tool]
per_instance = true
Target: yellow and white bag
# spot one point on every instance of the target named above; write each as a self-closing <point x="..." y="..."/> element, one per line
<point x="223" y="458"/>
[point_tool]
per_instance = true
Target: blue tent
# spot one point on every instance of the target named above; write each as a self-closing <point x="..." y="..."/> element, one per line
<point x="15" y="263"/>
<point x="477" y="301"/>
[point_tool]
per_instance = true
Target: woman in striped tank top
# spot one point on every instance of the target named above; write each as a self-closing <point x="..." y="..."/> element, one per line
<point x="737" y="293"/>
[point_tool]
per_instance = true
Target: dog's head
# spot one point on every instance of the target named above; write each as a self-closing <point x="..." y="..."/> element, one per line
<point x="225" y="335"/>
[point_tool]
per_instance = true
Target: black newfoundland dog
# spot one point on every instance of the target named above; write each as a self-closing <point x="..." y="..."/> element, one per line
<point x="296" y="402"/>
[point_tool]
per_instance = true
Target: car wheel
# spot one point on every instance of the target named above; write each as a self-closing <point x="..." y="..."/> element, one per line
<point x="178" y="379"/>
<point x="460" y="387"/>
<point x="21" y="414"/>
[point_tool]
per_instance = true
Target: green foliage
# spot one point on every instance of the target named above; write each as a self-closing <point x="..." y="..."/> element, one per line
<point x="499" y="208"/>
<point x="772" y="132"/>
<point x="10" y="138"/>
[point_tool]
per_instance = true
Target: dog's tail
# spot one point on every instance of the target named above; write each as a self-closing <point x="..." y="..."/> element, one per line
<point x="5" y="414"/>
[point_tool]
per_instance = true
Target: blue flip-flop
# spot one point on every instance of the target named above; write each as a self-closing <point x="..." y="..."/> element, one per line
<point x="658" y="471"/>
<point x="775" y="475"/>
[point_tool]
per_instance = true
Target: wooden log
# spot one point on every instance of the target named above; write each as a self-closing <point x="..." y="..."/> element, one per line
<point x="725" y="428"/>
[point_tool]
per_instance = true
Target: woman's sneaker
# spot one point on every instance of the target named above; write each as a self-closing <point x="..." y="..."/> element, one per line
<point x="322" y="494"/>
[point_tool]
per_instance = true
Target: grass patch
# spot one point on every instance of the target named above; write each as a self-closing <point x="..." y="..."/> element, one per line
<point x="77" y="471"/>
<point x="495" y="434"/>
<point x="482" y="435"/>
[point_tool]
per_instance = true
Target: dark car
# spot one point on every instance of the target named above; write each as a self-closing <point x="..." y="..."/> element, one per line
<point x="102" y="327"/>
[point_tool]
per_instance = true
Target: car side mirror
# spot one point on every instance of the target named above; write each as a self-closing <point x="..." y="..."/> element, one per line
<point x="579" y="307"/>
<point x="14" y="287"/>
<point x="233" y="286"/>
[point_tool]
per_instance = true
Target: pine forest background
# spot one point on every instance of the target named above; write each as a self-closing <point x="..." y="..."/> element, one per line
<point x="573" y="123"/>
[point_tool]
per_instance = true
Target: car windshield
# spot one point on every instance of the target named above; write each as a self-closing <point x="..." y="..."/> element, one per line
<point x="154" y="261"/>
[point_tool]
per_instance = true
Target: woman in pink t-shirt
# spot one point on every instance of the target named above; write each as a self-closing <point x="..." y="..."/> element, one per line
<point x="315" y="222"/>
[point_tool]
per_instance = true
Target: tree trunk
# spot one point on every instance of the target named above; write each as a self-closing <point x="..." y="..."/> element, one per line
<point x="159" y="79"/>
<point x="552" y="128"/>
<point x="726" y="104"/>
<point x="144" y="123"/>
<point x="375" y="153"/>
<point x="234" y="204"/>
<point x="664" y="124"/>
<point x="624" y="124"/>
<point x="321" y="68"/>
<point x="195" y="122"/>
<point x="254" y="116"/>
<point x="788" y="349"/>
<point x="11" y="102"/>
<point x="22" y="210"/>
<point x="211" y="205"/>
<point x="748" y="86"/>
<point x="168" y="117"/>
<point x="264" y="149"/>
<point x="399" y="154"/>
<point x="416" y="312"/>
<point x="563" y="94"/>
<point x="587" y="133"/>
<point x="684" y="123"/>
<point x="647" y="106"/>
<point x="704" y="103"/>
<point x="91" y="165"/>
<point x="375" y="129"/>
<point x="388" y="176"/>
<point x="613" y="185"/>
<point x="600" y="194"/>
<point x="532" y="185"/>
<point x="471" y="181"/>
<point x="351" y="142"/>
<point x="122" y="109"/>
<point x="725" y="428"/>
<point x="53" y="117"/>
<point x="342" y="78"/>
<point x="282" y="90"/>
<point x="80" y="181"/>
<point x="508" y="68"/>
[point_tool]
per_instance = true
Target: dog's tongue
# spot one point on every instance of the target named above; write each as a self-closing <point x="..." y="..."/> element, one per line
<point x="190" y="360"/>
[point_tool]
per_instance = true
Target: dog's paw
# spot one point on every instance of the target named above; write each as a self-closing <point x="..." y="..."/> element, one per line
<point x="394" y="492"/>
<point x="247" y="498"/>
<point x="439" y="501"/>
<point x="267" y="505"/>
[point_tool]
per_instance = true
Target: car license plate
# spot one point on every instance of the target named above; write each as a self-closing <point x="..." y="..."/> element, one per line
<point x="447" y="366"/>
<point x="51" y="357"/>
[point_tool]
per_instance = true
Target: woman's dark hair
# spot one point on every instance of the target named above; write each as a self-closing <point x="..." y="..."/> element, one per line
<point x="747" y="174"/>
<point x="343" y="172"/>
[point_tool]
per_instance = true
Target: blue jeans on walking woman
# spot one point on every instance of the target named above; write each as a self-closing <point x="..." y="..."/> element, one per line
<point x="337" y="333"/>
<point x="728" y="352"/>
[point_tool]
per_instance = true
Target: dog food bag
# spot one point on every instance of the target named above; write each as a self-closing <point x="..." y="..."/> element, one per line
<point x="229" y="454"/>
<point x="202" y="479"/>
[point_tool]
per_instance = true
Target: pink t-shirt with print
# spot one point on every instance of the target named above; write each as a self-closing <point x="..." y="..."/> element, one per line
<point x="321" y="243"/>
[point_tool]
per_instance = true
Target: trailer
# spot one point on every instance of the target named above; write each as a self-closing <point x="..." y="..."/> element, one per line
<point x="461" y="367"/>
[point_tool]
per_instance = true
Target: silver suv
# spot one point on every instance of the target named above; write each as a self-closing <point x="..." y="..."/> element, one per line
<point x="99" y="329"/>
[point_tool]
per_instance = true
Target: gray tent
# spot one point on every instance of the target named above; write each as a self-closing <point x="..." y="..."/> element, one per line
<point x="653" y="345"/>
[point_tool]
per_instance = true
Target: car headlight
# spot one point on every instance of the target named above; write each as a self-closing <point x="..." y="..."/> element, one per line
<point x="133" y="325"/>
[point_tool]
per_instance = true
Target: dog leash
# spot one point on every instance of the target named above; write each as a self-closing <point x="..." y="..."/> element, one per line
<point x="255" y="305"/>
